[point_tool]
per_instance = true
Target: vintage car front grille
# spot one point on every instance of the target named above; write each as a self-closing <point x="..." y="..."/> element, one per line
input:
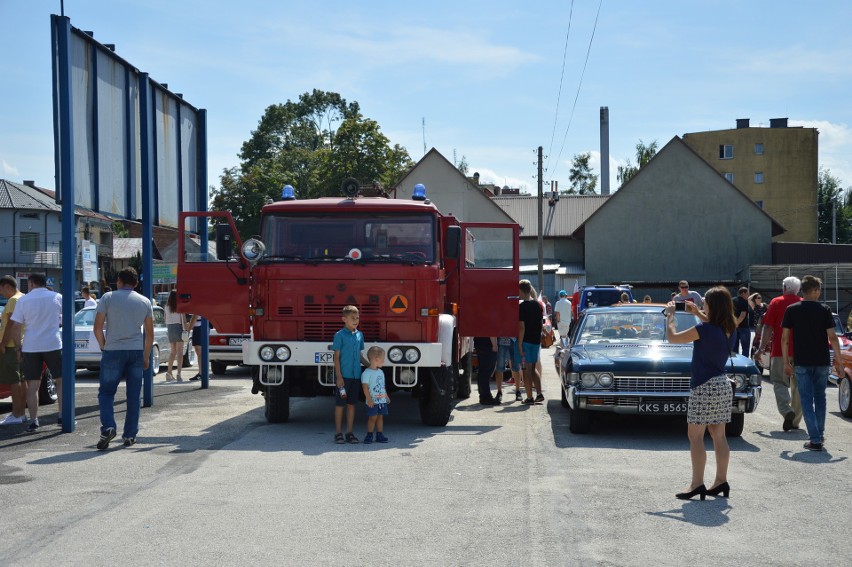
<point x="651" y="384"/>
<point x="633" y="402"/>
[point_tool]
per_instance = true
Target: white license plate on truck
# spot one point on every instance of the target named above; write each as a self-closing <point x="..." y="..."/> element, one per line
<point x="324" y="357"/>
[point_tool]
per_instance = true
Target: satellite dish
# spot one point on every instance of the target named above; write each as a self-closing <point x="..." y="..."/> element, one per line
<point x="351" y="187"/>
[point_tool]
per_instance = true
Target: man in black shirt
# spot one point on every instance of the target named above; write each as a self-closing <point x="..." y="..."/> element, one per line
<point x="530" y="314"/>
<point x="812" y="326"/>
<point x="744" y="316"/>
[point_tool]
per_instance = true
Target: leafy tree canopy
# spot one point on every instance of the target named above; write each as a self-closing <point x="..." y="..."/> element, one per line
<point x="312" y="144"/>
<point x="830" y="195"/>
<point x="583" y="182"/>
<point x="644" y="154"/>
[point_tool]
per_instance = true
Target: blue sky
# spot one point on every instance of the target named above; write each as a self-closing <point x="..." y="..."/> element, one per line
<point x="485" y="75"/>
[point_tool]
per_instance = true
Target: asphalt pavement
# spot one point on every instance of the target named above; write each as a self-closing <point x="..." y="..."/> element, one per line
<point x="211" y="483"/>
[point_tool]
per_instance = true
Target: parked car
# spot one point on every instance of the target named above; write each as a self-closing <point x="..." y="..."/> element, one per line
<point x="843" y="383"/>
<point x="88" y="352"/>
<point x="619" y="361"/>
<point x="46" y="392"/>
<point x="602" y="295"/>
<point x="225" y="351"/>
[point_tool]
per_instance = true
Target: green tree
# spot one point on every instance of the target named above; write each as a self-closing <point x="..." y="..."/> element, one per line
<point x="644" y="154"/>
<point x="830" y="195"/>
<point x="312" y="144"/>
<point x="583" y="182"/>
<point x="463" y="166"/>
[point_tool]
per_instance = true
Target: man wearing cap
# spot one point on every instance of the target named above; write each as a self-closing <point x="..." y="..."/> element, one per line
<point x="686" y="295"/>
<point x="562" y="314"/>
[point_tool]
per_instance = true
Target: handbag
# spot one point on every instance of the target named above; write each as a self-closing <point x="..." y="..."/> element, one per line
<point x="184" y="336"/>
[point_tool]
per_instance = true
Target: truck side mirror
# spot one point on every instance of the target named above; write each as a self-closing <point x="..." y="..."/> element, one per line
<point x="224" y="242"/>
<point x="452" y="242"/>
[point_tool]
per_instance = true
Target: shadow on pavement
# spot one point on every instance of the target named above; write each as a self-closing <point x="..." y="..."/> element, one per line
<point x="709" y="513"/>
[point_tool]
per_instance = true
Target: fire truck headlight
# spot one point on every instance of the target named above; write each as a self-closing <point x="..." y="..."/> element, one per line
<point x="282" y="353"/>
<point x="395" y="355"/>
<point x="267" y="353"/>
<point x="412" y="355"/>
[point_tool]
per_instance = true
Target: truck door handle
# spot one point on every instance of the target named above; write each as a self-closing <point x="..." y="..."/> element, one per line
<point x="513" y="297"/>
<point x="185" y="296"/>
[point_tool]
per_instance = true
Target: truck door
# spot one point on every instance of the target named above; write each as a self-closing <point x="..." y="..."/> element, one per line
<point x="489" y="268"/>
<point x="216" y="284"/>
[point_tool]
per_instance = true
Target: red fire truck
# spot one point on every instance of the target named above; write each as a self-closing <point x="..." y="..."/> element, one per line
<point x="424" y="283"/>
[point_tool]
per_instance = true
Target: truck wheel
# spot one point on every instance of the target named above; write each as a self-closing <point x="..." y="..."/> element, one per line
<point x="47" y="389"/>
<point x="579" y="421"/>
<point x="463" y="371"/>
<point x="734" y="428"/>
<point x="278" y="403"/>
<point x="844" y="390"/>
<point x="218" y="367"/>
<point x="435" y="405"/>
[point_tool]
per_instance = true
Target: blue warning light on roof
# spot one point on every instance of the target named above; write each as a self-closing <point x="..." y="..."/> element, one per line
<point x="288" y="193"/>
<point x="419" y="193"/>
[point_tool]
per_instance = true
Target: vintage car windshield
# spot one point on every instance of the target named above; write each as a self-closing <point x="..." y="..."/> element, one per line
<point x="629" y="326"/>
<point x="377" y="238"/>
<point x="602" y="297"/>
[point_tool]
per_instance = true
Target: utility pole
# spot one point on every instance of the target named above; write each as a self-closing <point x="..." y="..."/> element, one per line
<point x="540" y="217"/>
<point x="834" y="221"/>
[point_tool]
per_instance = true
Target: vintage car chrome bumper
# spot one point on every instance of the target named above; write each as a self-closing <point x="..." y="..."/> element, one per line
<point x="632" y="402"/>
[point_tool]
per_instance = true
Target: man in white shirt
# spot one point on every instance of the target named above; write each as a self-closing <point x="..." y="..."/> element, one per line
<point x="562" y="314"/>
<point x="40" y="311"/>
<point x="87" y="295"/>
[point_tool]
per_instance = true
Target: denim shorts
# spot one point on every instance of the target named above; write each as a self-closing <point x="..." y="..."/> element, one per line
<point x="377" y="409"/>
<point x="508" y="354"/>
<point x="353" y="388"/>
<point x="531" y="352"/>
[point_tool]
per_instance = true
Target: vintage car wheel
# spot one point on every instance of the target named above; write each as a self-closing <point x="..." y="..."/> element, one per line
<point x="278" y="403"/>
<point x="47" y="389"/>
<point x="844" y="390"/>
<point x="435" y="406"/>
<point x="218" y="367"/>
<point x="155" y="360"/>
<point x="734" y="428"/>
<point x="579" y="421"/>
<point x="564" y="397"/>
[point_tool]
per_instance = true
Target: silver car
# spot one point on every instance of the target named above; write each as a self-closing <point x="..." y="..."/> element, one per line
<point x="88" y="352"/>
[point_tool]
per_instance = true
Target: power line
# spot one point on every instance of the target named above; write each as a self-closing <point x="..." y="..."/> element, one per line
<point x="561" y="78"/>
<point x="579" y="86"/>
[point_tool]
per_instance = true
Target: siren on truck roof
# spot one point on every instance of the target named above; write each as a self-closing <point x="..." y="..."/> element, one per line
<point x="288" y="193"/>
<point x="419" y="193"/>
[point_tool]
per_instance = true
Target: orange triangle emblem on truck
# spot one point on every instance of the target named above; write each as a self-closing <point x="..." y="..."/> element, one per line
<point x="398" y="304"/>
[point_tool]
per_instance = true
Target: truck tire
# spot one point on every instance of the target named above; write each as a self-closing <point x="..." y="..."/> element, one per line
<point x="734" y="428"/>
<point x="47" y="389"/>
<point x="843" y="396"/>
<point x="278" y="403"/>
<point x="435" y="405"/>
<point x="579" y="421"/>
<point x="217" y="367"/>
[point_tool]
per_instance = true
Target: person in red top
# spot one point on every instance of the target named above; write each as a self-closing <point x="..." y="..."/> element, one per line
<point x="786" y="391"/>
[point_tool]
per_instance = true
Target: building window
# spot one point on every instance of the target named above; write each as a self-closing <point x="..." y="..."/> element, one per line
<point x="758" y="177"/>
<point x="729" y="177"/>
<point x="758" y="149"/>
<point x="726" y="151"/>
<point x="29" y="242"/>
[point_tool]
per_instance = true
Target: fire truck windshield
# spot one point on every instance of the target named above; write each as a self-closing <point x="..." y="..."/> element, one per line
<point x="404" y="238"/>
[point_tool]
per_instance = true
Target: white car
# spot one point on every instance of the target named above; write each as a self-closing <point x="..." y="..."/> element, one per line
<point x="225" y="351"/>
<point x="88" y="352"/>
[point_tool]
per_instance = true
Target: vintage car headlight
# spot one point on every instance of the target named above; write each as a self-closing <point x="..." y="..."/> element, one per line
<point x="395" y="354"/>
<point x="589" y="379"/>
<point x="739" y="381"/>
<point x="573" y="377"/>
<point x="412" y="355"/>
<point x="755" y="380"/>
<point x="267" y="353"/>
<point x="605" y="379"/>
<point x="282" y="353"/>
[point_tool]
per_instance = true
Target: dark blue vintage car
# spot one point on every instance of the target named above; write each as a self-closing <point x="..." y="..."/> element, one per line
<point x="619" y="361"/>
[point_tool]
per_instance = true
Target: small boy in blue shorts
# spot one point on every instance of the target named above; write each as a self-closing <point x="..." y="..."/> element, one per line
<point x="373" y="382"/>
<point x="347" y="347"/>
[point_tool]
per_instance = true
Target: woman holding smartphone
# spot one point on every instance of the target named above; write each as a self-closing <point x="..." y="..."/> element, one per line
<point x="710" y="391"/>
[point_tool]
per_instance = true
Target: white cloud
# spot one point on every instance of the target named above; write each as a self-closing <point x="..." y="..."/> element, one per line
<point x="9" y="169"/>
<point x="835" y="147"/>
<point x="490" y="176"/>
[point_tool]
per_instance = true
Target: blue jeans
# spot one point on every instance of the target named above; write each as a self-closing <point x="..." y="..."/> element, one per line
<point x="812" y="381"/>
<point x="115" y="365"/>
<point x="744" y="340"/>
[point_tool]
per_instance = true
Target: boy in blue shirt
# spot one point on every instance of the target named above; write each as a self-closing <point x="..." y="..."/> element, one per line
<point x="373" y="382"/>
<point x="348" y="344"/>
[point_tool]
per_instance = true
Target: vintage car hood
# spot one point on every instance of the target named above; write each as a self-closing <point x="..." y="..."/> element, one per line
<point x="665" y="358"/>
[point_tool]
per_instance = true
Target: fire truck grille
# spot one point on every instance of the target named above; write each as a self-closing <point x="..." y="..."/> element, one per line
<point x="324" y="330"/>
<point x="337" y="308"/>
<point x="285" y="310"/>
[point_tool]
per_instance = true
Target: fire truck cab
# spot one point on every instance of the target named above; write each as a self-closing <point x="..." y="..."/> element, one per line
<point x="424" y="284"/>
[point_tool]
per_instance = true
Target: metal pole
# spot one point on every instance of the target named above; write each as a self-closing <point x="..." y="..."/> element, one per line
<point x="147" y="158"/>
<point x="540" y="216"/>
<point x="834" y="221"/>
<point x="201" y="205"/>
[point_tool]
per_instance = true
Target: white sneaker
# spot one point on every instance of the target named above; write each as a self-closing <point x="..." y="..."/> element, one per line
<point x="12" y="420"/>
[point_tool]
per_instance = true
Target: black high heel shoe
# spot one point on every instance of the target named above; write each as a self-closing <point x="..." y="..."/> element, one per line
<point x="700" y="491"/>
<point x="724" y="489"/>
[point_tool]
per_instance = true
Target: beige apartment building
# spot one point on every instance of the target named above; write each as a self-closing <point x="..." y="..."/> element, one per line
<point x="776" y="167"/>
